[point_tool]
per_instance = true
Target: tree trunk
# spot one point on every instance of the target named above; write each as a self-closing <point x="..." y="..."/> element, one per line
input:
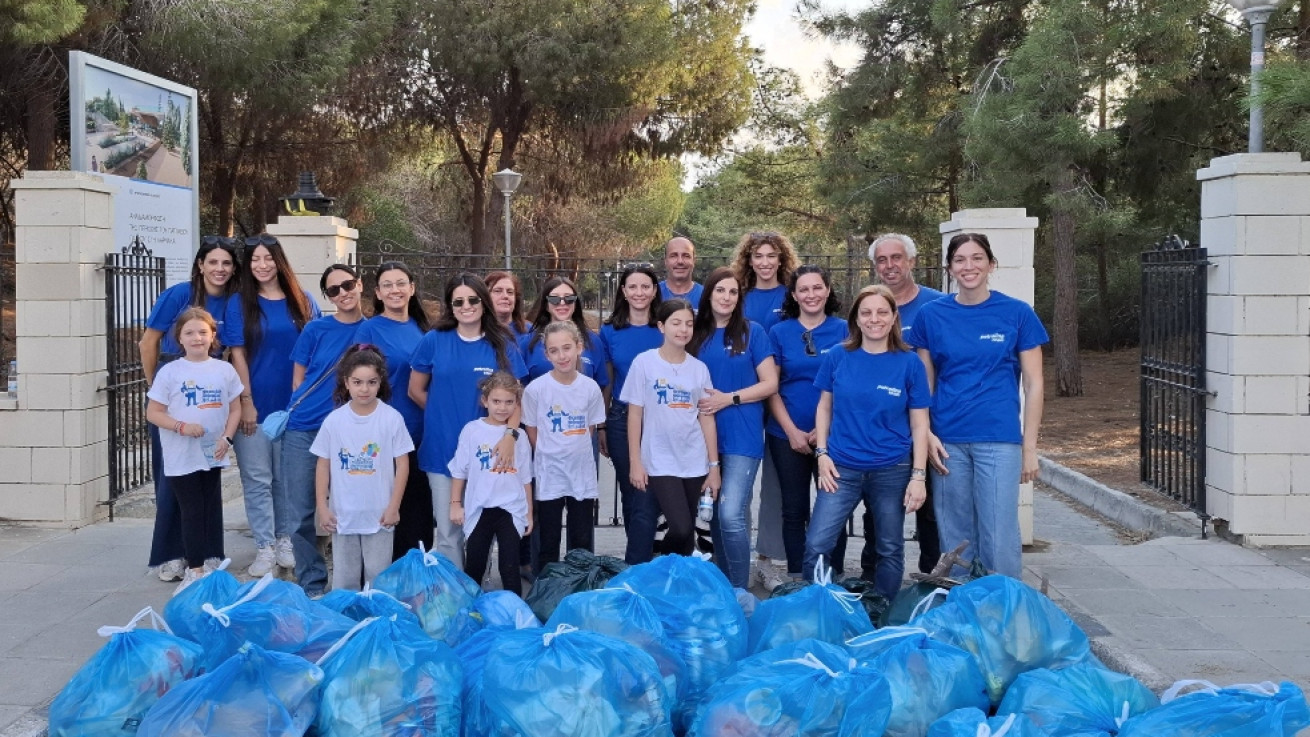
<point x="478" y="243"/>
<point x="40" y="128"/>
<point x="1068" y="368"/>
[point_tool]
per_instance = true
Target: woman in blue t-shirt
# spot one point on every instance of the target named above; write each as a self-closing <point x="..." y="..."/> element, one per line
<point x="275" y="311"/>
<point x="212" y="285"/>
<point x="397" y="327"/>
<point x="467" y="344"/>
<point x="871" y="432"/>
<point x="737" y="353"/>
<point x="978" y="346"/>
<point x="810" y="328"/>
<point x="630" y="331"/>
<point x="507" y="302"/>
<point x="559" y="300"/>
<point x="314" y="358"/>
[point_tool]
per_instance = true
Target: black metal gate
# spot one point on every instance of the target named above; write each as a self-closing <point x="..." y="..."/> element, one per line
<point x="1173" y="372"/>
<point x="133" y="280"/>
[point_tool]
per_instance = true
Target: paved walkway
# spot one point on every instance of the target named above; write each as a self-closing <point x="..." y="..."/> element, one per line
<point x="1165" y="609"/>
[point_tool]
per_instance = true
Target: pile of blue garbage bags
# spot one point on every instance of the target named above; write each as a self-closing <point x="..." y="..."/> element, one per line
<point x="659" y="649"/>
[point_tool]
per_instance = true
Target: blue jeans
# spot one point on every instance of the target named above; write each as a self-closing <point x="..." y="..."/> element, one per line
<point x="298" y="466"/>
<point x="260" y="462"/>
<point x="731" y="528"/>
<point x="883" y="492"/>
<point x="641" y="511"/>
<point x="978" y="501"/>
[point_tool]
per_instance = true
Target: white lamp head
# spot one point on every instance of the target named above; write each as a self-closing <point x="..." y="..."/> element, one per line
<point x="507" y="180"/>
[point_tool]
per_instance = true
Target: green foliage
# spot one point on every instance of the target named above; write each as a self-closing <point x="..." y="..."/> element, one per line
<point x="1285" y="95"/>
<point x="29" y="22"/>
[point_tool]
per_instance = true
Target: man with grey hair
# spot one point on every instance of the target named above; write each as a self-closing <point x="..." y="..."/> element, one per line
<point x="894" y="257"/>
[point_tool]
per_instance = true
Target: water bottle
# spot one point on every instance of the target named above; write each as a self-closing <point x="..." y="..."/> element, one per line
<point x="13" y="378"/>
<point x="705" y="510"/>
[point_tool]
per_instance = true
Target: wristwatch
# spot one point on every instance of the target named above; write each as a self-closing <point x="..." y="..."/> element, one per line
<point x="918" y="474"/>
<point x="819" y="452"/>
<point x="512" y="432"/>
<point x="736" y="399"/>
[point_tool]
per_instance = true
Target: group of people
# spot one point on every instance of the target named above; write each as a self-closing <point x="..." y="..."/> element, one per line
<point x="488" y="425"/>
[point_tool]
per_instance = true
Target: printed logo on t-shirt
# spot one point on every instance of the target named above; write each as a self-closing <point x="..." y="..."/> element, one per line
<point x="363" y="463"/>
<point x="201" y="398"/>
<point x="674" y="396"/>
<point x="484" y="455"/>
<point x="565" y="422"/>
<point x="993" y="337"/>
<point x="891" y="390"/>
<point x="483" y="370"/>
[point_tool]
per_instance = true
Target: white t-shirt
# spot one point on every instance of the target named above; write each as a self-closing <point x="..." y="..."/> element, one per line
<point x="484" y="489"/>
<point x="197" y="393"/>
<point x="362" y="451"/>
<point x="672" y="443"/>
<point x="563" y="415"/>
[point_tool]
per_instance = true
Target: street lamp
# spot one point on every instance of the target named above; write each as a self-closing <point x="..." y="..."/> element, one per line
<point x="507" y="181"/>
<point x="1257" y="14"/>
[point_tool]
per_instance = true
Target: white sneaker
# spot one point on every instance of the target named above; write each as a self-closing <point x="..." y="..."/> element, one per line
<point x="172" y="570"/>
<point x="770" y="577"/>
<point x="284" y="553"/>
<point x="265" y="559"/>
<point x="189" y="578"/>
<point x="211" y="565"/>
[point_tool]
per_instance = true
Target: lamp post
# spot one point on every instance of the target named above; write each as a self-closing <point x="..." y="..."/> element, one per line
<point x="507" y="181"/>
<point x="1257" y="14"/>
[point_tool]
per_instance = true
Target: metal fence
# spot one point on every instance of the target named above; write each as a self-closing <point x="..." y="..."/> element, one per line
<point x="133" y="280"/>
<point x="1173" y="372"/>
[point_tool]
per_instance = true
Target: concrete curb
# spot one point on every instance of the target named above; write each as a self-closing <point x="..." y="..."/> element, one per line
<point x="1117" y="656"/>
<point x="1117" y="505"/>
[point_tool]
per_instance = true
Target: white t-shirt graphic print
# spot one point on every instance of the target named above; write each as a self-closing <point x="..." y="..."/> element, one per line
<point x="563" y="415"/>
<point x="672" y="442"/>
<point x="361" y="452"/>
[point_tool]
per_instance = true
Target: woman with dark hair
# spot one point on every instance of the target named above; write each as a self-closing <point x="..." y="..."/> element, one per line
<point x="314" y="359"/>
<point x="809" y="329"/>
<point x="628" y="332"/>
<point x="275" y="311"/>
<point x="979" y="348"/>
<point x="507" y="302"/>
<point x="740" y="361"/>
<point x="559" y="300"/>
<point x="212" y="286"/>
<point x="397" y="326"/>
<point x="467" y="344"/>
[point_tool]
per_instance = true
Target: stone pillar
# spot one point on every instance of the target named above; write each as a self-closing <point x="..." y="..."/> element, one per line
<point x="1255" y="226"/>
<point x="54" y="439"/>
<point x="313" y="243"/>
<point x="1012" y="235"/>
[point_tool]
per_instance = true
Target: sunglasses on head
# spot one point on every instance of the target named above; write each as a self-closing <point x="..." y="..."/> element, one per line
<point x="263" y="239"/>
<point x="217" y="240"/>
<point x="765" y="236"/>
<point x="808" y="337"/>
<point x="459" y="301"/>
<point x="345" y="286"/>
<point x="556" y="299"/>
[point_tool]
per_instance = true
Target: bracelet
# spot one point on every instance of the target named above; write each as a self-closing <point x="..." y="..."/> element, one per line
<point x="714" y="464"/>
<point x="918" y="474"/>
<point x="457" y="501"/>
<point x="178" y="427"/>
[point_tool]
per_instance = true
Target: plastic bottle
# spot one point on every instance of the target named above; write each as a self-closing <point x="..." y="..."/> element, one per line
<point x="705" y="510"/>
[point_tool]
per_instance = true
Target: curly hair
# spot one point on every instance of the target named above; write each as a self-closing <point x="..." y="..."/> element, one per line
<point x="741" y="262"/>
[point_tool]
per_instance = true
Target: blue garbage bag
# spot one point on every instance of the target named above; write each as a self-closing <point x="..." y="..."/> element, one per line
<point x="1244" y="710"/>
<point x="433" y="587"/>
<point x="808" y="687"/>
<point x="274" y="615"/>
<point x="570" y="682"/>
<point x="254" y="692"/>
<point x="183" y="612"/>
<point x="109" y="695"/>
<point x="1081" y="699"/>
<point x="821" y="611"/>
<point x="928" y="679"/>
<point x="360" y="605"/>
<point x="628" y="616"/>
<point x="1009" y="628"/>
<point x="972" y="722"/>
<point x="496" y="609"/>
<point x="478" y="719"/>
<point x="387" y="678"/>
<point x="747" y="601"/>
<point x="699" y="612"/>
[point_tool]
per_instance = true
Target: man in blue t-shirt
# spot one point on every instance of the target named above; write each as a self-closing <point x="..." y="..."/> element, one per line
<point x="679" y="263"/>
<point x="894" y="258"/>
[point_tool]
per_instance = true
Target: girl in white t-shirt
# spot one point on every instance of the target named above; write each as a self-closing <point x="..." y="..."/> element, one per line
<point x="363" y="464"/>
<point x="196" y="404"/>
<point x="491" y="504"/>
<point x="675" y="448"/>
<point x="561" y="410"/>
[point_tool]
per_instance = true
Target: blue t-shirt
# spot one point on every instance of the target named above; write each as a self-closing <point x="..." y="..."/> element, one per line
<point x="910" y="310"/>
<point x="455" y="367"/>
<point x="397" y="341"/>
<point x="622" y="346"/>
<point x="693" y="296"/>
<point x="592" y="365"/>
<point x="765" y="306"/>
<point x="271" y="364"/>
<point x="872" y="395"/>
<point x="319" y="349"/>
<point x="797" y="368"/>
<point x="176" y="299"/>
<point x="975" y="352"/>
<point x="740" y="427"/>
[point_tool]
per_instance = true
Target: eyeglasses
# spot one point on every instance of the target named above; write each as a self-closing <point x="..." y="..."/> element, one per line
<point x="556" y="299"/>
<point x="263" y="239"/>
<point x="387" y="286"/>
<point x="808" y="337"/>
<point x="345" y="286"/>
<point x="459" y="301"/>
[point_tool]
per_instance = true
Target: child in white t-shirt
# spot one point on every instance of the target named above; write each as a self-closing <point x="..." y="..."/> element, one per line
<point x="492" y="505"/>
<point x="674" y="447"/>
<point x="561" y="410"/>
<point x="196" y="403"/>
<point x="363" y="464"/>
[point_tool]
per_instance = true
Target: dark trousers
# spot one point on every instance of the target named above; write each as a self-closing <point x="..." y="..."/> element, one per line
<point x="925" y="531"/>
<point x="550" y="526"/>
<point x="200" y="502"/>
<point x="678" y="498"/>
<point x="641" y="513"/>
<point x="495" y="524"/>
<point x="166" y="542"/>
<point x="796" y="472"/>
<point x="415" y="525"/>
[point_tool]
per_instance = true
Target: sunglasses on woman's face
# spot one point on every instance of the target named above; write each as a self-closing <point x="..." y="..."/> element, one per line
<point x="459" y="301"/>
<point x="567" y="299"/>
<point x="345" y="286"/>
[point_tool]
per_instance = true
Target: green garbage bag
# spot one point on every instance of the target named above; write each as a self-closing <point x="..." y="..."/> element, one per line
<point x="579" y="571"/>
